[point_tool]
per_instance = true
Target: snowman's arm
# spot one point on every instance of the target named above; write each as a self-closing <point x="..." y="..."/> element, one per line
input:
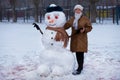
<point x="37" y="27"/>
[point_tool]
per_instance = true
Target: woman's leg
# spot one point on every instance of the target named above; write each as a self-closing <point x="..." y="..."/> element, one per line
<point x="80" y="60"/>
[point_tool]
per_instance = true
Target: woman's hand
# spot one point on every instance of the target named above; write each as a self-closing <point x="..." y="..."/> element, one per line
<point x="82" y="30"/>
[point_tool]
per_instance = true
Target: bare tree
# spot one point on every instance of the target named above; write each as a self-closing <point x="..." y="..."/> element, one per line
<point x="13" y="6"/>
<point x="0" y="11"/>
<point x="93" y="10"/>
<point x="41" y="9"/>
<point x="36" y="5"/>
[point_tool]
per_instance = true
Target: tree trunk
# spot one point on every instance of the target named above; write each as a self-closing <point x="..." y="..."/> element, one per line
<point x="13" y="5"/>
<point x="36" y="14"/>
<point x="14" y="15"/>
<point x="93" y="13"/>
<point x="36" y="4"/>
<point x="0" y="12"/>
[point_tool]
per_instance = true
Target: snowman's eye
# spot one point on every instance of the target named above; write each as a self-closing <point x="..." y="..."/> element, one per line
<point x="56" y="17"/>
<point x="48" y="17"/>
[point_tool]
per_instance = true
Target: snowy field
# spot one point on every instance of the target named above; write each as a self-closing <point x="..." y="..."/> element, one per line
<point x="20" y="45"/>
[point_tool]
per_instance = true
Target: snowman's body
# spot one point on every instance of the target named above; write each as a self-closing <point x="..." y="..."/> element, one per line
<point x="56" y="60"/>
<point x="48" y="40"/>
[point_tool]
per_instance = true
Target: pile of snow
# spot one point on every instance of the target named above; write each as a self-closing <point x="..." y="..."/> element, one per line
<point x="21" y="53"/>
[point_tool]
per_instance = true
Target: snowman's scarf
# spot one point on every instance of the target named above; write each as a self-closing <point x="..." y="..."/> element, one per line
<point x="61" y="35"/>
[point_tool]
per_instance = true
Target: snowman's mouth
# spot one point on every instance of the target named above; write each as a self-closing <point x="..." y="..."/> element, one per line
<point x="52" y="24"/>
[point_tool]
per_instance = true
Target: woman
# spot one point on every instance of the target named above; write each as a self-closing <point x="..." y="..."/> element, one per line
<point x="80" y="25"/>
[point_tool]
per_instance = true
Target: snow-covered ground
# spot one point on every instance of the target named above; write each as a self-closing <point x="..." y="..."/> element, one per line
<point x="20" y="46"/>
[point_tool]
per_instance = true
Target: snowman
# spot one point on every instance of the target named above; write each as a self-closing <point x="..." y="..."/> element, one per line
<point x="55" y="20"/>
<point x="55" y="60"/>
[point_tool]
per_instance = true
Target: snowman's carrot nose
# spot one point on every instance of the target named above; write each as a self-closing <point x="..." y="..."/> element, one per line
<point x="51" y="21"/>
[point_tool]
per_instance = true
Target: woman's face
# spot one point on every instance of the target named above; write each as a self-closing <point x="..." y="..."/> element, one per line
<point x="78" y="11"/>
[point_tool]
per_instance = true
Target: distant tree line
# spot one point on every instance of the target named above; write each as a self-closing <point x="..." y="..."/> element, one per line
<point x="35" y="9"/>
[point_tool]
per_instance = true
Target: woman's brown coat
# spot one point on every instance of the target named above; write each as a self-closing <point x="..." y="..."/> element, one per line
<point x="79" y="41"/>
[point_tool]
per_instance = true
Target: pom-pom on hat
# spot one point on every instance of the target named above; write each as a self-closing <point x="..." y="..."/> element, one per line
<point x="53" y="7"/>
<point x="79" y="7"/>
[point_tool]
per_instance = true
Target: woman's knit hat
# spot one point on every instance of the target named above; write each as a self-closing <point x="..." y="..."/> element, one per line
<point x="79" y="7"/>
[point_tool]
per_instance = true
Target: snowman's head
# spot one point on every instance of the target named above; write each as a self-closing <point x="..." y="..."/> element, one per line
<point x="55" y="16"/>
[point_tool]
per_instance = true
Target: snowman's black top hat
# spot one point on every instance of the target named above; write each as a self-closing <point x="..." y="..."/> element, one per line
<point x="53" y="7"/>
